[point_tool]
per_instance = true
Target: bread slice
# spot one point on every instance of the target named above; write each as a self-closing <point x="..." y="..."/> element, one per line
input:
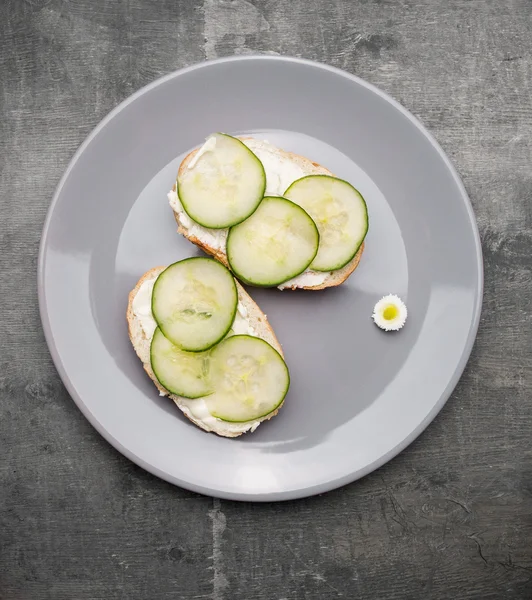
<point x="257" y="319"/>
<point x="333" y="278"/>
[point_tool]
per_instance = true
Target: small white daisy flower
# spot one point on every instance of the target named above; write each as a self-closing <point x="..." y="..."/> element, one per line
<point x="390" y="313"/>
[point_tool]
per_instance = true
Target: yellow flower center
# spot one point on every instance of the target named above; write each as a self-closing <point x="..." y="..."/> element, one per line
<point x="390" y="312"/>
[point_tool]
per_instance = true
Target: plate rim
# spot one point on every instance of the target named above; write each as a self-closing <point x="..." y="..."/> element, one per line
<point x="321" y="487"/>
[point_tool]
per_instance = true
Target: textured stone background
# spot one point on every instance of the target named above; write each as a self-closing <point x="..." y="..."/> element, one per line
<point x="451" y="517"/>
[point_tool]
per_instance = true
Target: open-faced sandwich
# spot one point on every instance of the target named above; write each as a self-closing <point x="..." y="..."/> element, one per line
<point x="273" y="217"/>
<point x="207" y="346"/>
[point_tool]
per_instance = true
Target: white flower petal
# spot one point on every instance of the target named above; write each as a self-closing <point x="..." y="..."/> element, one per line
<point x="397" y="321"/>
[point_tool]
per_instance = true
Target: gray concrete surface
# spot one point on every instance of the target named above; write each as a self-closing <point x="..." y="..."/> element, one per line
<point x="451" y="517"/>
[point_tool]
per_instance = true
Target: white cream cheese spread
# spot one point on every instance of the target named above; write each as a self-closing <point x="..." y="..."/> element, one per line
<point x="215" y="238"/>
<point x="280" y="170"/>
<point x="306" y="279"/>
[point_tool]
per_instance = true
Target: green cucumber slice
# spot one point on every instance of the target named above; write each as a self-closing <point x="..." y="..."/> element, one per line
<point x="340" y="213"/>
<point x="223" y="184"/>
<point x="180" y="372"/>
<point x="194" y="303"/>
<point x="278" y="242"/>
<point x="250" y="378"/>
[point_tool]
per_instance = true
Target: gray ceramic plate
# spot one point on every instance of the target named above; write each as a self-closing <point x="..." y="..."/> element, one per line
<point x="358" y="395"/>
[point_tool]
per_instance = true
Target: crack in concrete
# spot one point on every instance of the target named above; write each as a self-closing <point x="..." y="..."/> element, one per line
<point x="219" y="580"/>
